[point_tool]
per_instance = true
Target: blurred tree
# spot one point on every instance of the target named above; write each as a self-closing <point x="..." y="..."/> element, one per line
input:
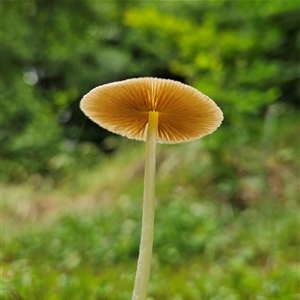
<point x="243" y="54"/>
<point x="236" y="52"/>
<point x="52" y="53"/>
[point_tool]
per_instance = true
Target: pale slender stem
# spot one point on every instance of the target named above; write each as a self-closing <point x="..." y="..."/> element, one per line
<point x="144" y="262"/>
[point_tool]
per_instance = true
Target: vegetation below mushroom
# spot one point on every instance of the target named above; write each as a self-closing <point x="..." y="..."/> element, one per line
<point x="223" y="239"/>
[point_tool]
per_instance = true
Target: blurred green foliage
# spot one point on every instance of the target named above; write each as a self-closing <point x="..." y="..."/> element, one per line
<point x="80" y="241"/>
<point x="243" y="54"/>
<point x="200" y="256"/>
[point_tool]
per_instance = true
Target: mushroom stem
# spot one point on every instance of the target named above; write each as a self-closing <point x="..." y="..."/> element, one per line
<point x="145" y="255"/>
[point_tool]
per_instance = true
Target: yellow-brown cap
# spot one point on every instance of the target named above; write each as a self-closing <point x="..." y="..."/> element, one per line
<point x="122" y="107"/>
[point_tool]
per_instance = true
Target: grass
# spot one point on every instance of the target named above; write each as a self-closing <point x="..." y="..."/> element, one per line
<point x="216" y="237"/>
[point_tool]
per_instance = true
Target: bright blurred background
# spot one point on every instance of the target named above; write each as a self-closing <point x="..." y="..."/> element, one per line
<point x="227" y="222"/>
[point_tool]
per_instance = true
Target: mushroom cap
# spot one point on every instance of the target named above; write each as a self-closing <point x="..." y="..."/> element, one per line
<point x="122" y="107"/>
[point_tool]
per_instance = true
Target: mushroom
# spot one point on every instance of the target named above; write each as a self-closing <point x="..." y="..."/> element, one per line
<point x="153" y="110"/>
